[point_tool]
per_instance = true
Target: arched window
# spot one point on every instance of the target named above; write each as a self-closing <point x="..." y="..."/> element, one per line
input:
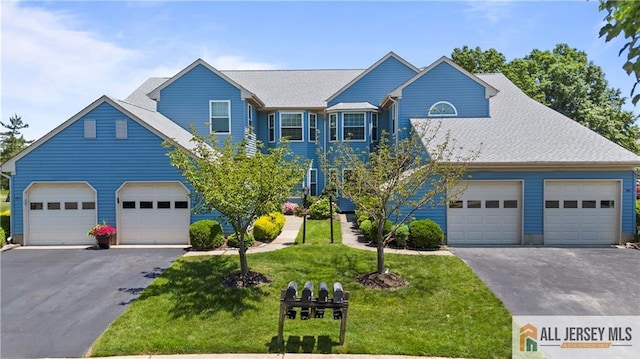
<point x="442" y="108"/>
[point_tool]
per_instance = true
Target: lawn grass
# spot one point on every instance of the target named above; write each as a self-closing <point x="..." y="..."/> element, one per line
<point x="445" y="311"/>
<point x="319" y="232"/>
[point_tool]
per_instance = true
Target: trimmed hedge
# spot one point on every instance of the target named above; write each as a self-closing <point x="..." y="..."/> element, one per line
<point x="265" y="229"/>
<point x="3" y="238"/>
<point x="365" y="227"/>
<point x="206" y="234"/>
<point x="5" y="222"/>
<point x="373" y="232"/>
<point x="425" y="234"/>
<point x="401" y="237"/>
<point x="320" y="209"/>
<point x="279" y="219"/>
<point x="232" y="240"/>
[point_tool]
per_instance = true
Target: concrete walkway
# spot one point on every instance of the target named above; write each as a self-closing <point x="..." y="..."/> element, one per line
<point x="350" y="237"/>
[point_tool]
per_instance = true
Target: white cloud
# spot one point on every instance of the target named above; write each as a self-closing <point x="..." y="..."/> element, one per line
<point x="54" y="64"/>
<point x="493" y="11"/>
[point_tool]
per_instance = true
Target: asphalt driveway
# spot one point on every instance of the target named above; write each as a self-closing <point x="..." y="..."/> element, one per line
<point x="56" y="302"/>
<point x="560" y="281"/>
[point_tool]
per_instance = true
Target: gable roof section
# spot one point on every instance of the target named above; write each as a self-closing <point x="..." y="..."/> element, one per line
<point x="139" y="96"/>
<point x="151" y="120"/>
<point x="246" y="94"/>
<point x="489" y="90"/>
<point x="293" y="89"/>
<point x="371" y="68"/>
<point x="524" y="133"/>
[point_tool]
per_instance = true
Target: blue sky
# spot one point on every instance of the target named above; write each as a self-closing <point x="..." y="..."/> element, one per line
<point x="59" y="56"/>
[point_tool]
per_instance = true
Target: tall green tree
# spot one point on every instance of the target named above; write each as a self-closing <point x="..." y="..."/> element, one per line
<point x="398" y="177"/>
<point x="239" y="186"/>
<point x="623" y="17"/>
<point x="12" y="141"/>
<point x="565" y="80"/>
<point x="478" y="61"/>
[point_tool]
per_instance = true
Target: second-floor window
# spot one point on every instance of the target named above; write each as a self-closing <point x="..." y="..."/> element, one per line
<point x="353" y="126"/>
<point x="374" y="127"/>
<point x="272" y="127"/>
<point x="220" y="115"/>
<point x="313" y="126"/>
<point x="333" y="124"/>
<point x="291" y="125"/>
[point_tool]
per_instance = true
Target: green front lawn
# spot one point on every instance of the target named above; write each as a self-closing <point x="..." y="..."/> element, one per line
<point x="319" y="231"/>
<point x="445" y="311"/>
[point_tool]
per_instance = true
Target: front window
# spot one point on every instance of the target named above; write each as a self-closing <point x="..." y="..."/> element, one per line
<point x="374" y="126"/>
<point x="313" y="123"/>
<point x="394" y="112"/>
<point x="313" y="182"/>
<point x="250" y="116"/>
<point x="272" y="127"/>
<point x="220" y="115"/>
<point x="333" y="124"/>
<point x="291" y="125"/>
<point x="353" y="126"/>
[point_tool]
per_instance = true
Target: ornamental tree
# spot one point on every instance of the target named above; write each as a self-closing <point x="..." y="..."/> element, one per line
<point x="235" y="182"/>
<point x="420" y="168"/>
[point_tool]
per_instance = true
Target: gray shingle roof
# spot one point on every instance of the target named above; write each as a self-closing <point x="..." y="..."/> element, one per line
<point x="293" y="88"/>
<point x="160" y="123"/>
<point x="522" y="131"/>
<point x="139" y="96"/>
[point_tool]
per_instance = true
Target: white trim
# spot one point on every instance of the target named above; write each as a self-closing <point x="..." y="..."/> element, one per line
<point x="211" y="116"/>
<point x="271" y="116"/>
<point x="455" y="110"/>
<point x="314" y="128"/>
<point x="244" y="93"/>
<point x="373" y="133"/>
<point x="371" y="68"/>
<point x="335" y="116"/>
<point x="301" y="123"/>
<point x="364" y="126"/>
<point x="620" y="198"/>
<point x="520" y="200"/>
<point x="25" y="203"/>
<point x="250" y="115"/>
<point x="490" y="91"/>
<point x="314" y="178"/>
<point x="125" y="184"/>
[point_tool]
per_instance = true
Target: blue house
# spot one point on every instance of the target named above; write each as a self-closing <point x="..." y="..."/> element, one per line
<point x="539" y="177"/>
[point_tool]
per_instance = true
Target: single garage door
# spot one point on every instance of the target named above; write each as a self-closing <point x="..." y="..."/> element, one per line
<point x="60" y="213"/>
<point x="487" y="212"/>
<point x="581" y="212"/>
<point x="153" y="213"/>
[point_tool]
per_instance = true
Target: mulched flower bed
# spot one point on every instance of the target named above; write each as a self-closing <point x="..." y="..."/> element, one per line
<point x="245" y="280"/>
<point x="389" y="281"/>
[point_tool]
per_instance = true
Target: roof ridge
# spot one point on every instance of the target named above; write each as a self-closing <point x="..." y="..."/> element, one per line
<point x="290" y="70"/>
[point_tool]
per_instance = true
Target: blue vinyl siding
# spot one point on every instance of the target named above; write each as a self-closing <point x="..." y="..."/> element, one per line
<point x="534" y="195"/>
<point x="377" y="84"/>
<point x="105" y="163"/>
<point x="186" y="101"/>
<point x="442" y="83"/>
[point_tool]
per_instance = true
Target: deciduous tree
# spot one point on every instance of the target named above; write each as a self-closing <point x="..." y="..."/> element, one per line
<point x="239" y="186"/>
<point x="398" y="177"/>
<point x="624" y="17"/>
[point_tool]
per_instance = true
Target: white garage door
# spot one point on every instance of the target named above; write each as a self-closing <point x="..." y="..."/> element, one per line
<point x="487" y="212"/>
<point x="581" y="212"/>
<point x="153" y="213"/>
<point x="60" y="213"/>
